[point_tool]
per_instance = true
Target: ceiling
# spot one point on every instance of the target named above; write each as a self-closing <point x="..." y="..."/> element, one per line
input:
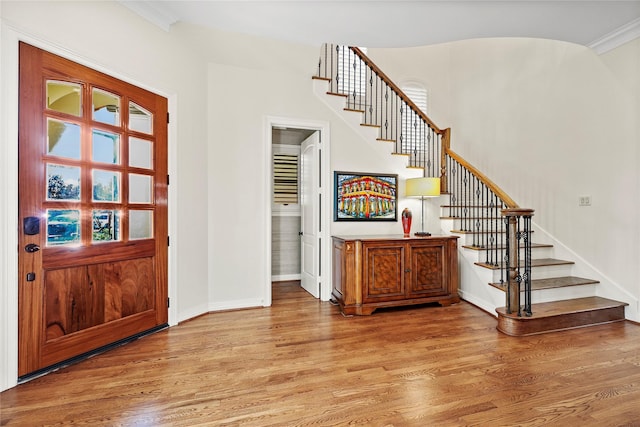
<point x="401" y="23"/>
<point x="289" y="136"/>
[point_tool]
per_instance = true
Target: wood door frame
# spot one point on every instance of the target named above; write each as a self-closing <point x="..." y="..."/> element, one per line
<point x="9" y="87"/>
<point x="325" y="218"/>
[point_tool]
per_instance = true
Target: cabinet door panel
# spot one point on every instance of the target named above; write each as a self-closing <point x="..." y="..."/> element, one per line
<point x="383" y="273"/>
<point x="339" y="273"/>
<point x="427" y="271"/>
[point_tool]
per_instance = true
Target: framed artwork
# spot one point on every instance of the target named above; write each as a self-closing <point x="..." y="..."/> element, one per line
<point x="365" y="197"/>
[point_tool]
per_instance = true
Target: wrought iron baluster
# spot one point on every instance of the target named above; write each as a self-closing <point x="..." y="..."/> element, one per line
<point x="340" y="59"/>
<point x="475" y="221"/>
<point x="491" y="248"/>
<point x="387" y="106"/>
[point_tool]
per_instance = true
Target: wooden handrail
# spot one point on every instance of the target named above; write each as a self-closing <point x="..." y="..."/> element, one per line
<point x="395" y="88"/>
<point x="508" y="201"/>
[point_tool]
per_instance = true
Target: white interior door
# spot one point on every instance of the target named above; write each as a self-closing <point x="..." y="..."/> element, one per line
<point x="309" y="222"/>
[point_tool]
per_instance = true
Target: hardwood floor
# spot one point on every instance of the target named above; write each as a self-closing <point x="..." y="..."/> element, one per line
<point x="300" y="362"/>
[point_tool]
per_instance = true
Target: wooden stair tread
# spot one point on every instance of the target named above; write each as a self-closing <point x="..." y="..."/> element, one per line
<point x="477" y="232"/>
<point x="470" y="206"/>
<point x="471" y="217"/>
<point x="538" y="262"/>
<point x="480" y="248"/>
<point x="561" y="315"/>
<point x="569" y="306"/>
<point x="551" y="283"/>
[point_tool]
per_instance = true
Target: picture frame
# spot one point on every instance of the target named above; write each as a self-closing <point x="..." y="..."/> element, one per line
<point x="365" y="196"/>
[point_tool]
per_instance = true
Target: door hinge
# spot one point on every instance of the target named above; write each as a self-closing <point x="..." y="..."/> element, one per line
<point x="168" y="117"/>
<point x="168" y="241"/>
<point x="168" y="302"/>
<point x="167" y="179"/>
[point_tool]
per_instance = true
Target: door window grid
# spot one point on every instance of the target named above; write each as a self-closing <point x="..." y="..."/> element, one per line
<point x="104" y="162"/>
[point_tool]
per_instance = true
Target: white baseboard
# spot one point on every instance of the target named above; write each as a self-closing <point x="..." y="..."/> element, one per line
<point x="236" y="304"/>
<point x="285" y="277"/>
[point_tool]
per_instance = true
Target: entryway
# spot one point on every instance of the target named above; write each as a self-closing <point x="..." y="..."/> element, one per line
<point x="92" y="208"/>
<point x="298" y="207"/>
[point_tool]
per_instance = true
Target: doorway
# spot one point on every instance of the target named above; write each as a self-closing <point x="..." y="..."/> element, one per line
<point x="92" y="210"/>
<point x="297" y="232"/>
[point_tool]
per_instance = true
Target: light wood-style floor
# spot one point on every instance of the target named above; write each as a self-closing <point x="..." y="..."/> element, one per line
<point x="301" y="363"/>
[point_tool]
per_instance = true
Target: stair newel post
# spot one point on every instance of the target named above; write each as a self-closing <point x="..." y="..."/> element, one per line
<point x="518" y="273"/>
<point x="445" y="141"/>
<point x="511" y="263"/>
<point x="526" y="218"/>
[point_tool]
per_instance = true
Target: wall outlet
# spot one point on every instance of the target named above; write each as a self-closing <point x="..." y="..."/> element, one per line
<point x="584" y="201"/>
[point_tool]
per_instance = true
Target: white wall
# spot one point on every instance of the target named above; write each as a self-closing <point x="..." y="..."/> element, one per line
<point x="237" y="166"/>
<point x="624" y="65"/>
<point x="548" y="122"/>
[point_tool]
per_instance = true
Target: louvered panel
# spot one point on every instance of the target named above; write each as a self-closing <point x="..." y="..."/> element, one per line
<point x="285" y="179"/>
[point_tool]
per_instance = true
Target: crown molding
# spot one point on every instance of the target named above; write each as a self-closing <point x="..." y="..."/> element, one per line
<point x="157" y="16"/>
<point x="618" y="37"/>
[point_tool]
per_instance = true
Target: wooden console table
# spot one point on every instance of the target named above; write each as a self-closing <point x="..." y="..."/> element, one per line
<point x="370" y="272"/>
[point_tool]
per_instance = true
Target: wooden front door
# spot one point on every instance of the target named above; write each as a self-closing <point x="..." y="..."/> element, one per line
<point x="92" y="210"/>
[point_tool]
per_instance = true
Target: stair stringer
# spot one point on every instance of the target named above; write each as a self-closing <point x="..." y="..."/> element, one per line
<point x="607" y="288"/>
<point x="369" y="134"/>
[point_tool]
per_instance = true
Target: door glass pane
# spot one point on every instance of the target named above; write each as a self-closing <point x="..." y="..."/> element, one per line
<point x="63" y="139"/>
<point x="63" y="226"/>
<point x="106" y="147"/>
<point x="106" y="107"/>
<point x="64" y="97"/>
<point x="106" y="186"/>
<point x="140" y="119"/>
<point x="140" y="188"/>
<point x="105" y="225"/>
<point x="140" y="224"/>
<point x="140" y="153"/>
<point x="63" y="182"/>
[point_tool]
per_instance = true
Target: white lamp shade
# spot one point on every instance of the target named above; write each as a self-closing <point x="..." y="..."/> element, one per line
<point x="422" y="187"/>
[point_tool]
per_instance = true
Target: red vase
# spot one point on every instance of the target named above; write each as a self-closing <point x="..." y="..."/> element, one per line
<point x="406" y="222"/>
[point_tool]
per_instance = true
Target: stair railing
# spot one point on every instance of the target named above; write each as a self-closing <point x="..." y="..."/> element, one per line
<point x="367" y="89"/>
<point x="480" y="206"/>
<point x="477" y="204"/>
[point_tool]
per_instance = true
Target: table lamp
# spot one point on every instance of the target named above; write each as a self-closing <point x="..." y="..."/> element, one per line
<point x="422" y="187"/>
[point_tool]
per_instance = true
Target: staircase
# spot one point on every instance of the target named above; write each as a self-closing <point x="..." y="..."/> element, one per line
<point x="500" y="263"/>
<point x="559" y="300"/>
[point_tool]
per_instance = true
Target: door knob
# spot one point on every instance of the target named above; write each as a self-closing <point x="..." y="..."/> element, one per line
<point x="31" y="248"/>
